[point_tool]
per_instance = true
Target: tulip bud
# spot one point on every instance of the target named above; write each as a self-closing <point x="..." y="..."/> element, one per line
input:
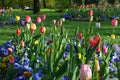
<point x="18" y="31"/>
<point x="105" y="49"/>
<point x="22" y="43"/>
<point x="38" y="20"/>
<point x="10" y="50"/>
<point x="98" y="25"/>
<point x="17" y="18"/>
<point x="91" y="12"/>
<point x="59" y="23"/>
<point x="43" y="16"/>
<point x="96" y="66"/>
<point x="27" y="74"/>
<point x="28" y="19"/>
<point x="114" y="22"/>
<point x="80" y="36"/>
<point x="11" y="59"/>
<point x="11" y="10"/>
<point x="85" y="72"/>
<point x="112" y="36"/>
<point x="33" y="26"/>
<point x="54" y="22"/>
<point x="42" y="29"/>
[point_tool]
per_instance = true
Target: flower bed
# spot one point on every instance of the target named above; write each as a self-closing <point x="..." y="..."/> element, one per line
<point x="100" y="13"/>
<point x="59" y="55"/>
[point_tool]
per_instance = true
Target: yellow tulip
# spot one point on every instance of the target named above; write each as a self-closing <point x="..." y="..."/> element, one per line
<point x="36" y="42"/>
<point x="17" y="18"/>
<point x="112" y="36"/>
<point x="79" y="55"/>
<point x="96" y="66"/>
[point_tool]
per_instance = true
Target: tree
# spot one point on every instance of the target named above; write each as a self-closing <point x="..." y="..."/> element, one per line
<point x="36" y="6"/>
<point x="44" y="3"/>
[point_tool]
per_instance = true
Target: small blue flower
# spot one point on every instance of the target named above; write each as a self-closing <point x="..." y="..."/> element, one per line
<point x="65" y="78"/>
<point x="38" y="75"/>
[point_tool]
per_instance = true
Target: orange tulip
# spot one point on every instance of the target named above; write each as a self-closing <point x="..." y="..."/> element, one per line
<point x="26" y="73"/>
<point x="22" y="43"/>
<point x="33" y="26"/>
<point x="18" y="31"/>
<point x="42" y="29"/>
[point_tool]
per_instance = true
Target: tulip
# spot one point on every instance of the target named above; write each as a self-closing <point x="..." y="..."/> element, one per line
<point x="98" y="25"/>
<point x="11" y="9"/>
<point x="54" y="22"/>
<point x="62" y="19"/>
<point x="59" y="23"/>
<point x="11" y="59"/>
<point x="105" y="49"/>
<point x="18" y="31"/>
<point x="91" y="18"/>
<point x="28" y="26"/>
<point x="114" y="22"/>
<point x="22" y="43"/>
<point x="36" y="42"/>
<point x="91" y="12"/>
<point x="38" y="20"/>
<point x="33" y="26"/>
<point x="112" y="36"/>
<point x="43" y="16"/>
<point x="28" y="18"/>
<point x="17" y="18"/>
<point x="85" y="72"/>
<point x="42" y="29"/>
<point x="10" y="50"/>
<point x="27" y="74"/>
<point x="22" y="22"/>
<point x="97" y="66"/>
<point x="80" y="36"/>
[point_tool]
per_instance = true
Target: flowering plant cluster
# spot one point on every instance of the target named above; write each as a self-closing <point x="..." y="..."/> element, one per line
<point x="59" y="55"/>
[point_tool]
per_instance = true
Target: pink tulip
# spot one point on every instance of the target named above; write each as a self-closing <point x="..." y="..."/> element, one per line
<point x="11" y="9"/>
<point x="91" y="12"/>
<point x="38" y="20"/>
<point x="85" y="72"/>
<point x="80" y="36"/>
<point x="54" y="22"/>
<point x="11" y="59"/>
<point x="43" y="16"/>
<point x="28" y="18"/>
<point x="105" y="49"/>
<point x="42" y="29"/>
<point x="114" y="22"/>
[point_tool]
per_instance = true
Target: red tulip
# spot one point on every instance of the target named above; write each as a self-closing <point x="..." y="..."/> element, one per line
<point x="80" y="36"/>
<point x="10" y="50"/>
<point x="28" y="18"/>
<point x="105" y="49"/>
<point x="59" y="23"/>
<point x="11" y="9"/>
<point x="18" y="31"/>
<point x="42" y="29"/>
<point x="91" y="12"/>
<point x="11" y="59"/>
<point x="43" y="16"/>
<point x="22" y="43"/>
<point x="38" y="20"/>
<point x="114" y="22"/>
<point x="85" y="72"/>
<point x="54" y="22"/>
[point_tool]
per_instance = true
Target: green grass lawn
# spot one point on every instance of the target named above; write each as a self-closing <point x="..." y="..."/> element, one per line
<point x="106" y="29"/>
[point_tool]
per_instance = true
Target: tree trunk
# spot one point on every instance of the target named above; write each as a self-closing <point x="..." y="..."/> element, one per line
<point x="36" y="6"/>
<point x="3" y="3"/>
<point x="44" y="3"/>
